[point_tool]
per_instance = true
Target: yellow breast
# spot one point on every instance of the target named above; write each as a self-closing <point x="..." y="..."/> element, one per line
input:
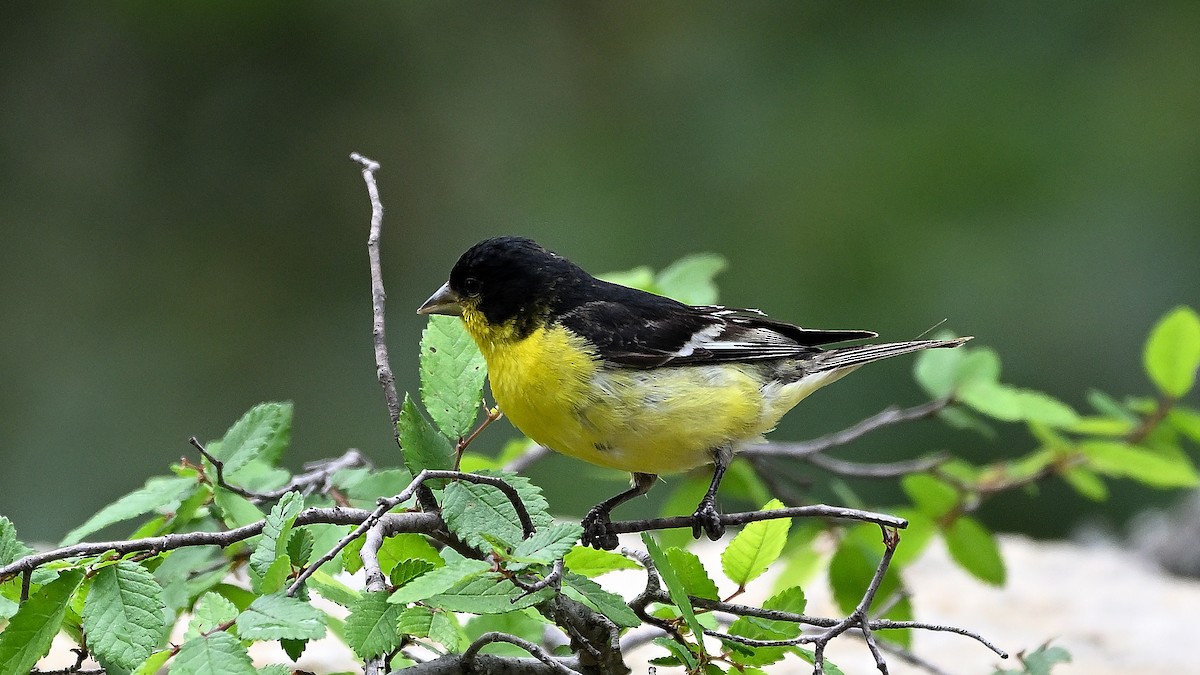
<point x="664" y="420"/>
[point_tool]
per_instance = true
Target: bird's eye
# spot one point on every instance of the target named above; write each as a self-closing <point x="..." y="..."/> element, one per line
<point x="471" y="286"/>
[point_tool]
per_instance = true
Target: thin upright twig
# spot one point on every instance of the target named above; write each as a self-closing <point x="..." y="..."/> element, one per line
<point x="383" y="367"/>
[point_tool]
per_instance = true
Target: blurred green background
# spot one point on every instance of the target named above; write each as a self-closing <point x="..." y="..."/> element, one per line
<point x="182" y="234"/>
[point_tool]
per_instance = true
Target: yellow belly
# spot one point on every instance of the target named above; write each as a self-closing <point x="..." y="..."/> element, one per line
<point x="664" y="420"/>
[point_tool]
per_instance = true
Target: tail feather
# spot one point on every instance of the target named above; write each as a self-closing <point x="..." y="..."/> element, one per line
<point x="848" y="357"/>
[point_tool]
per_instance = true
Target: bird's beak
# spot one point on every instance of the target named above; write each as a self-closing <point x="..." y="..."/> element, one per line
<point x="444" y="301"/>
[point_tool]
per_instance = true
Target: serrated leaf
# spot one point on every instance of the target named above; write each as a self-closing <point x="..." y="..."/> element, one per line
<point x="788" y="600"/>
<point x="371" y="626"/>
<point x="931" y="496"/>
<point x="452" y="374"/>
<point x="439" y="580"/>
<point x="690" y="279"/>
<point x="476" y="512"/>
<point x="416" y="621"/>
<point x="373" y="484"/>
<point x="675" y="588"/>
<point x="1172" y="352"/>
<point x="546" y="545"/>
<point x="591" y="562"/>
<point x="692" y="574"/>
<point x="260" y="434"/>
<point x="217" y="654"/>
<point x="423" y="446"/>
<point x="1153" y="467"/>
<point x="123" y="615"/>
<point x="975" y="550"/>
<point x="272" y="545"/>
<point x="274" y="578"/>
<point x="447" y="631"/>
<point x="30" y="631"/>
<point x="280" y="668"/>
<point x="755" y="547"/>
<point x="279" y="616"/>
<point x="607" y="603"/>
<point x="530" y="495"/>
<point x="212" y="610"/>
<point x="160" y="493"/>
<point x="487" y="593"/>
<point x="11" y="548"/>
<point x="680" y="655"/>
<point x="299" y="547"/>
<point x="406" y="570"/>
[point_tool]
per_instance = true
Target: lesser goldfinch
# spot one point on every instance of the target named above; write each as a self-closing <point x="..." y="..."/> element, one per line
<point x="634" y="381"/>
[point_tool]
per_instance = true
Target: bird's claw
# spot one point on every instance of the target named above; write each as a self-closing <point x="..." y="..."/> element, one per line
<point x="707" y="520"/>
<point x="597" y="530"/>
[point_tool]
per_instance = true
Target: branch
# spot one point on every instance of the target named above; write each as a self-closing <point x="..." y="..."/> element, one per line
<point x="885" y="418"/>
<point x="382" y="366"/>
<point x="375" y="582"/>
<point x="732" y="519"/>
<point x="403" y="522"/>
<point x="468" y="656"/>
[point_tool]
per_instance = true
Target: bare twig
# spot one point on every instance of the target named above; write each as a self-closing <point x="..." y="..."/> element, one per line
<point x="220" y="468"/>
<point x="527" y="458"/>
<point x="404" y="522"/>
<point x="375" y="583"/>
<point x="876" y="470"/>
<point x="383" y="367"/>
<point x="732" y="519"/>
<point x="885" y="418"/>
<point x="468" y="656"/>
<point x="552" y="580"/>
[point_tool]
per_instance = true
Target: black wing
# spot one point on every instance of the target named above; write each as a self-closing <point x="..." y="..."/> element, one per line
<point x="642" y="330"/>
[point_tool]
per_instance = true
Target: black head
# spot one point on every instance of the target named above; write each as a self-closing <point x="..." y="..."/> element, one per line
<point x="512" y="278"/>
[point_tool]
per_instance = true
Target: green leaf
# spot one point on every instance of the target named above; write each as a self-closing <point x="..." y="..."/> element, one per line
<point x="272" y="545"/>
<point x="993" y="399"/>
<point x="692" y="574"/>
<point x="546" y="545"/>
<point x="423" y="446"/>
<point x="1043" y="408"/>
<point x="30" y="631"/>
<point x="279" y="616"/>
<point x="975" y="549"/>
<point x="931" y="496"/>
<point x="415" y="620"/>
<point x="1086" y="483"/>
<point x="367" y="488"/>
<point x="690" y="279"/>
<point x="154" y="664"/>
<point x="235" y="510"/>
<point x="371" y="626"/>
<point x="300" y="547"/>
<point x="520" y="624"/>
<point x="682" y="655"/>
<point x="212" y="610"/>
<point x="160" y="493"/>
<point x="609" y="604"/>
<point x="281" y="668"/>
<point x="1186" y="421"/>
<point x="1172" y="352"/>
<point x="405" y="571"/>
<point x="472" y="510"/>
<point x="11" y="548"/>
<point x="789" y="600"/>
<point x="332" y="590"/>
<point x="261" y="434"/>
<point x="452" y="373"/>
<point x="487" y="593"/>
<point x="1156" y="468"/>
<point x="216" y="654"/>
<point x="675" y="588"/>
<point x="754" y="548"/>
<point x="591" y="562"/>
<point x="439" y="580"/>
<point x="123" y="616"/>
<point x="936" y="370"/>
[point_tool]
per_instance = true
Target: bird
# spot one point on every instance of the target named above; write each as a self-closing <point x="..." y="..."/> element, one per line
<point x="635" y="381"/>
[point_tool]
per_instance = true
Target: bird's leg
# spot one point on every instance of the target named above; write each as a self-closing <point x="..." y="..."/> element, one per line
<point x="706" y="519"/>
<point x="597" y="527"/>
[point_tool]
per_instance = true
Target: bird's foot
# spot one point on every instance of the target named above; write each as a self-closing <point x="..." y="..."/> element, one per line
<point x="597" y="530"/>
<point x="707" y="520"/>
